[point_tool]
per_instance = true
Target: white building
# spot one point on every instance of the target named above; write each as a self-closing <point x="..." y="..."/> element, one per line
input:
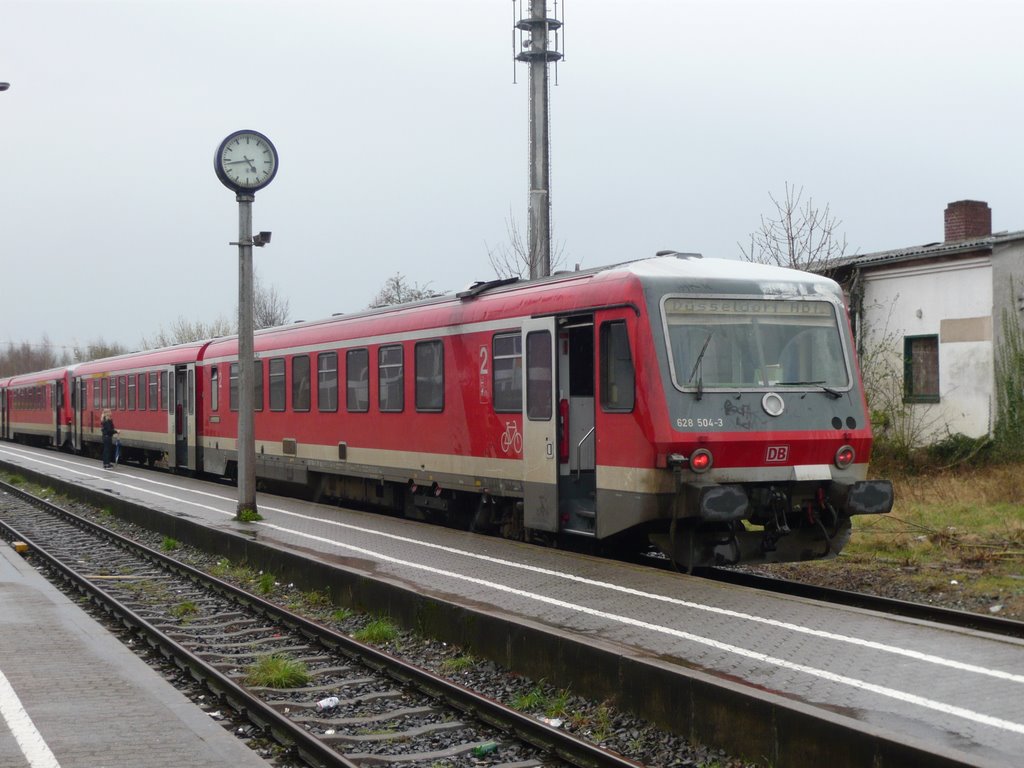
<point x="941" y="307"/>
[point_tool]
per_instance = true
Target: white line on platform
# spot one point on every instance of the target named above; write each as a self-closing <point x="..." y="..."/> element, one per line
<point x="25" y="733"/>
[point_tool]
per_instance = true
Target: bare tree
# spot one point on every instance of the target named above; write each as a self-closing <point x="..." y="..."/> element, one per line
<point x="184" y="330"/>
<point x="269" y="308"/>
<point x="800" y="236"/>
<point x="25" y="357"/>
<point x="398" y="290"/>
<point x="98" y="349"/>
<point x="512" y="259"/>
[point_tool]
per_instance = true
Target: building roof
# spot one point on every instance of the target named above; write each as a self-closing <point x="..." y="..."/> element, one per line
<point x="928" y="251"/>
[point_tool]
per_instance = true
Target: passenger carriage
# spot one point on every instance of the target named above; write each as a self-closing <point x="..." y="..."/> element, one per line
<point x="37" y="409"/>
<point x="153" y="400"/>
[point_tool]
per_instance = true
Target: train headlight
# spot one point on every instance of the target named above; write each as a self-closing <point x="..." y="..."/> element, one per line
<point x="845" y="456"/>
<point x="701" y="460"/>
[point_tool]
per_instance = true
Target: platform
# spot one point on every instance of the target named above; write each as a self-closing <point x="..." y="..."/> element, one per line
<point x="874" y="679"/>
<point x="72" y="695"/>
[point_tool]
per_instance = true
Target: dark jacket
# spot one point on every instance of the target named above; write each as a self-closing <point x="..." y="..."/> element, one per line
<point x="107" y="427"/>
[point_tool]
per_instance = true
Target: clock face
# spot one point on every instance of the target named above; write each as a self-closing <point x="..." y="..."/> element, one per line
<point x="246" y="161"/>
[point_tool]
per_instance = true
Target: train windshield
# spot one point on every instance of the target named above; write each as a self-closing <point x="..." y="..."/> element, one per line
<point x="732" y="343"/>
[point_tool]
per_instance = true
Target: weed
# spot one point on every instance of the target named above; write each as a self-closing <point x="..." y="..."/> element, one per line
<point x="558" y="704"/>
<point x="317" y="599"/>
<point x="266" y="583"/>
<point x="458" y="664"/>
<point x="184" y="609"/>
<point x="249" y="515"/>
<point x="277" y="671"/>
<point x="225" y="569"/>
<point x="534" y="699"/>
<point x="342" y="614"/>
<point x="170" y="544"/>
<point x="377" y="632"/>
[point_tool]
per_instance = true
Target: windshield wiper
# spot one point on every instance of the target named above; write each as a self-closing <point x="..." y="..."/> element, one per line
<point x="827" y="390"/>
<point x="697" y="367"/>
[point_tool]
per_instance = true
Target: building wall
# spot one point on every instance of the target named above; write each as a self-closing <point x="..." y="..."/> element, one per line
<point x="1008" y="282"/>
<point x="952" y="300"/>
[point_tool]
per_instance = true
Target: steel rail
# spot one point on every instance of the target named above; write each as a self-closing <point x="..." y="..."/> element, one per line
<point x="888" y="605"/>
<point x="565" y="745"/>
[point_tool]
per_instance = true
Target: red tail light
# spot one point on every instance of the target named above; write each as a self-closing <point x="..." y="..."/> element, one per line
<point x="845" y="456"/>
<point x="701" y="460"/>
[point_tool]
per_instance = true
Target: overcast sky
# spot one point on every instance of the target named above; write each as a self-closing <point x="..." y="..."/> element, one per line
<point x="403" y="140"/>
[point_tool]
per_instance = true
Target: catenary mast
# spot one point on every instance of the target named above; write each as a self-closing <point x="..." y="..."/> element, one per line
<point x="534" y="32"/>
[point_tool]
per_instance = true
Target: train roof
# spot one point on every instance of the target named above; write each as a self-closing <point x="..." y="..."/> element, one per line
<point x="179" y="354"/>
<point x="38" y="377"/>
<point x="547" y="294"/>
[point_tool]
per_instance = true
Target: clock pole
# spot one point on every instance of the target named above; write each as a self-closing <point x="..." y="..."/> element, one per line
<point x="246" y="383"/>
<point x="246" y="161"/>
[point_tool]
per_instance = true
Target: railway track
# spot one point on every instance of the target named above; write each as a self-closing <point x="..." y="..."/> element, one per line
<point x="935" y="614"/>
<point x="886" y="605"/>
<point x="359" y="707"/>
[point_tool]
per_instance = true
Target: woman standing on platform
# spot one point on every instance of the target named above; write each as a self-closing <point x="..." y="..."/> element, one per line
<point x="108" y="432"/>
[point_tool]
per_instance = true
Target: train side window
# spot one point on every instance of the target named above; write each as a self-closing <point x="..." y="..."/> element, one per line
<point x="507" y="363"/>
<point x="430" y="376"/>
<point x="327" y="381"/>
<point x="131" y="392"/>
<point x="257" y="367"/>
<point x="233" y="387"/>
<point x="165" y="400"/>
<point x="538" y="376"/>
<point x="300" y="383"/>
<point x="95" y="393"/>
<point x="141" y="379"/>
<point x="105" y="399"/>
<point x="390" y="379"/>
<point x="618" y="378"/>
<point x="122" y="391"/>
<point x="191" y="388"/>
<point x="153" y="391"/>
<point x="278" y="390"/>
<point x="357" y="380"/>
<point x="214" y="388"/>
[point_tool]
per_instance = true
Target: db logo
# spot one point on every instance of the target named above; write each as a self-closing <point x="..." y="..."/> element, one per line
<point x="777" y="453"/>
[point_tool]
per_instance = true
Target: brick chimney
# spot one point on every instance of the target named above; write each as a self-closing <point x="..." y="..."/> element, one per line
<point x="966" y="219"/>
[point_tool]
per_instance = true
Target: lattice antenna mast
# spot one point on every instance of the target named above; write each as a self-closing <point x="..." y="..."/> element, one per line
<point x="537" y="36"/>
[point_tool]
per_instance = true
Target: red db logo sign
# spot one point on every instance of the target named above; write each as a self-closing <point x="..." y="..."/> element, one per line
<point x="776" y="454"/>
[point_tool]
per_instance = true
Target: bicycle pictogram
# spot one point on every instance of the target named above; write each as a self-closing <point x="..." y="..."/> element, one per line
<point x="511" y="438"/>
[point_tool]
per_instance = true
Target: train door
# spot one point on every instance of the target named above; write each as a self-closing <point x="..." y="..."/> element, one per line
<point x="78" y="403"/>
<point x="184" y="417"/>
<point x="57" y="404"/>
<point x="540" y="461"/>
<point x="577" y="435"/>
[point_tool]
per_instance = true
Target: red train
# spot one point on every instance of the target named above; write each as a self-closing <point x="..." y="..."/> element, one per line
<point x="711" y="407"/>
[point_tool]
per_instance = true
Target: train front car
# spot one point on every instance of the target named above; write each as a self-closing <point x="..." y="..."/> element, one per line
<point x="767" y="432"/>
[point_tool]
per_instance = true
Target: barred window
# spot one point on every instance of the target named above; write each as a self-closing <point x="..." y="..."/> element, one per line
<point x="921" y="369"/>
